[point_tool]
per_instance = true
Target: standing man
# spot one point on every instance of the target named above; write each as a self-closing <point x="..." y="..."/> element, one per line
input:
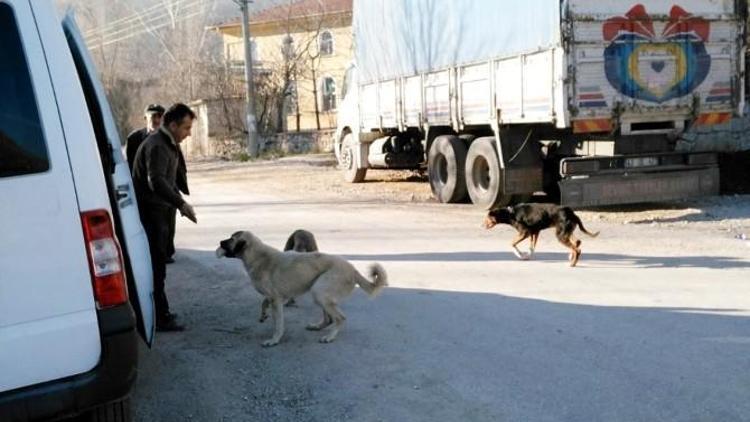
<point x="152" y="115"/>
<point x="155" y="181"/>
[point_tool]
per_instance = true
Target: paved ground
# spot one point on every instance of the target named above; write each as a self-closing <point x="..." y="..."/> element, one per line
<point x="653" y="325"/>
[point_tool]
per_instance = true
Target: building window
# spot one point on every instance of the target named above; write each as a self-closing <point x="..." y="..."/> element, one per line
<point x="328" y="93"/>
<point x="325" y="43"/>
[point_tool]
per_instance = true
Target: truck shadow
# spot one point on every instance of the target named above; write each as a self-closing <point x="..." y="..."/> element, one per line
<point x="424" y="354"/>
<point x="711" y="209"/>
<point x="588" y="260"/>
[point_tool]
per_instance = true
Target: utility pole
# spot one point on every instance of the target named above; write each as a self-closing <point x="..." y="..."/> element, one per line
<point x="252" y="129"/>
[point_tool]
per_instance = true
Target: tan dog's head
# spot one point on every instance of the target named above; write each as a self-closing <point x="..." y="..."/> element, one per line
<point x="235" y="245"/>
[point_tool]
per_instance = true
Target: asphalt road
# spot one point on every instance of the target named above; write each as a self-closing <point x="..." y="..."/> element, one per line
<point x="653" y="324"/>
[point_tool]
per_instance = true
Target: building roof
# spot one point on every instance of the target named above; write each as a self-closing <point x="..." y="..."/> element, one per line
<point x="295" y="10"/>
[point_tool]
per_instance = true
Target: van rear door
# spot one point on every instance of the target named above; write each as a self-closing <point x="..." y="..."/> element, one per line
<point x="48" y="321"/>
<point x="122" y="196"/>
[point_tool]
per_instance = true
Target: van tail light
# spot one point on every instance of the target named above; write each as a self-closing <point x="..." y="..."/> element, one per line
<point x="105" y="259"/>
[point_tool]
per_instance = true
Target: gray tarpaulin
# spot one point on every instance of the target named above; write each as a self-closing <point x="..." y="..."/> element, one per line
<point x="405" y="37"/>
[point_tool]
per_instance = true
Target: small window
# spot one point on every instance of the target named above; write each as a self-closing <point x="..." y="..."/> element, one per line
<point x="326" y="43"/>
<point x="22" y="146"/>
<point x="328" y="93"/>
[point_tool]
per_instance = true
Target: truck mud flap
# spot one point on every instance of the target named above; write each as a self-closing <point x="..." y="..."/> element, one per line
<point x="639" y="187"/>
<point x="522" y="180"/>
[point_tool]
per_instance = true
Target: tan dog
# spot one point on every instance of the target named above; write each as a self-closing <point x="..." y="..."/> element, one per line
<point x="279" y="276"/>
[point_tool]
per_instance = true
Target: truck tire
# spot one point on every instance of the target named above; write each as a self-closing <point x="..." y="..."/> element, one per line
<point x="118" y="411"/>
<point x="483" y="175"/>
<point x="348" y="163"/>
<point x="446" y="165"/>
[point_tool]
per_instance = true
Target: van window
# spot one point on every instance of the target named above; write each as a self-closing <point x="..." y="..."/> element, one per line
<point x="22" y="146"/>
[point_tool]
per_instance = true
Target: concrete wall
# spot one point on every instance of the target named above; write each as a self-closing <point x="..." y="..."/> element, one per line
<point x="219" y="132"/>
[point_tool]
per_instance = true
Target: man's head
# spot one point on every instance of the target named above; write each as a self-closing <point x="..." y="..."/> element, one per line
<point x="179" y="121"/>
<point x="153" y="115"/>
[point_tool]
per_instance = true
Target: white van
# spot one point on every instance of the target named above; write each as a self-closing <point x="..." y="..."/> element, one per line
<point x="75" y="271"/>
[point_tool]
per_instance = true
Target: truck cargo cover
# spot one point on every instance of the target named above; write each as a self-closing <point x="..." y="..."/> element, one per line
<point x="405" y="37"/>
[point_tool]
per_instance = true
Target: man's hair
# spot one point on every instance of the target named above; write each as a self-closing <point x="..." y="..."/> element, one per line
<point x="176" y="113"/>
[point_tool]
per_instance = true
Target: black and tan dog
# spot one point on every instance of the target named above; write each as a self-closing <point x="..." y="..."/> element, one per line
<point x="530" y="219"/>
<point x="301" y="241"/>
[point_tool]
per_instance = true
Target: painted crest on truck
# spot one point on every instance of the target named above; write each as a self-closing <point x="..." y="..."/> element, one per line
<point x="643" y="65"/>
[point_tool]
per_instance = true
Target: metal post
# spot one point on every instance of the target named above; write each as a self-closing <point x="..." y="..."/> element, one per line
<point x="252" y="130"/>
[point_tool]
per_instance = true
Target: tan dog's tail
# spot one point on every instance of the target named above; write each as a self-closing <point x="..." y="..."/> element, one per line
<point x="379" y="280"/>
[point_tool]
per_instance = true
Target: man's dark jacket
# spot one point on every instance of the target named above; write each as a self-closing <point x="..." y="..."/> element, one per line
<point x="155" y="172"/>
<point x="135" y="139"/>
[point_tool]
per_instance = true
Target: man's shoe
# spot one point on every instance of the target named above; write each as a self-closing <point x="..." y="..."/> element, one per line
<point x="170" y="260"/>
<point x="169" y="325"/>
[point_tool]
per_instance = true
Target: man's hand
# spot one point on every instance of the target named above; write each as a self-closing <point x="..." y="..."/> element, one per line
<point x="187" y="211"/>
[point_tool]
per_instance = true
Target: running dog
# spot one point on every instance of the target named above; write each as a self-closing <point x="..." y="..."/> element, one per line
<point x="530" y="219"/>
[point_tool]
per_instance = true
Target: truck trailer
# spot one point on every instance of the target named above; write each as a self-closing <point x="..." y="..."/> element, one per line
<point x="584" y="100"/>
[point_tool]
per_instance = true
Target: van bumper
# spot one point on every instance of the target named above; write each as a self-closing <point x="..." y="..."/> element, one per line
<point x="111" y="380"/>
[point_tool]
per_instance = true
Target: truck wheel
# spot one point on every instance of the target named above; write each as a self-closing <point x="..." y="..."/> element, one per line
<point x="348" y="162"/>
<point x="118" y="411"/>
<point x="483" y="175"/>
<point x="445" y="166"/>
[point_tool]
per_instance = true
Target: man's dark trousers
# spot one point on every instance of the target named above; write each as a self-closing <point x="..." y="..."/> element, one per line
<point x="155" y="220"/>
<point x="172" y="229"/>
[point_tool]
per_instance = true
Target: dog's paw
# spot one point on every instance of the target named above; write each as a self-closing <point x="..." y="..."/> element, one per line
<point x="270" y="343"/>
<point x="524" y="256"/>
<point x="327" y="339"/>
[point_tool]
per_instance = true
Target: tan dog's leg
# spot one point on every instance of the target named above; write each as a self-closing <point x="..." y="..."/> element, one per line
<point x="325" y="322"/>
<point x="264" y="309"/>
<point x="338" y="321"/>
<point x="277" y="312"/>
<point x="520" y="238"/>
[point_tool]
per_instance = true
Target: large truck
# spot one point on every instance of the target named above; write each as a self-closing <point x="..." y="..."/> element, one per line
<point x="582" y="99"/>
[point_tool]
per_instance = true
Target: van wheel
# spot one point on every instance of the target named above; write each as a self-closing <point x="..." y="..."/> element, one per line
<point x="484" y="179"/>
<point x="348" y="162"/>
<point x="445" y="166"/>
<point x="118" y="411"/>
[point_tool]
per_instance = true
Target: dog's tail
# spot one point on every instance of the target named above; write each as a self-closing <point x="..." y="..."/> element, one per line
<point x="379" y="280"/>
<point x="583" y="229"/>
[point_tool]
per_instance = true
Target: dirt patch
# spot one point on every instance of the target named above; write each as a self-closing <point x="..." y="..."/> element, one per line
<point x="316" y="178"/>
